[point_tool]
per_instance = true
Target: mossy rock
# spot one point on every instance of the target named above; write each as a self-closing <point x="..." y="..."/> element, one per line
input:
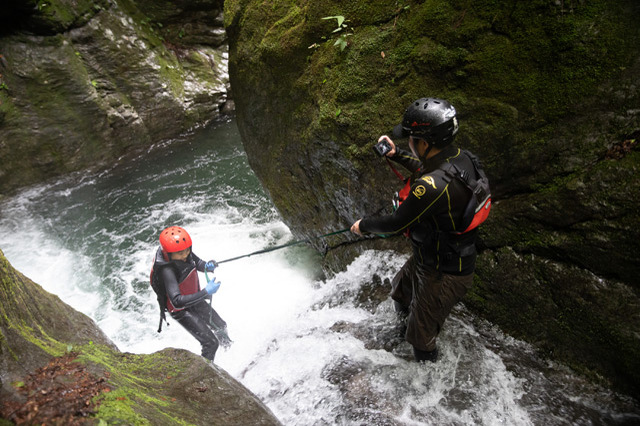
<point x="545" y="92"/>
<point x="95" y="86"/>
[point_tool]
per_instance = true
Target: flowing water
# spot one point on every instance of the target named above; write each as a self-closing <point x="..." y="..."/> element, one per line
<point x="306" y="345"/>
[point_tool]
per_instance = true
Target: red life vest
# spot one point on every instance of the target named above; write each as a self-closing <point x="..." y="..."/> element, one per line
<point x="480" y="212"/>
<point x="190" y="285"/>
<point x="400" y="196"/>
<point x="404" y="192"/>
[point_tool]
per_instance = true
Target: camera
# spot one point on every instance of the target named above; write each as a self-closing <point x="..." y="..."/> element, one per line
<point x="382" y="147"/>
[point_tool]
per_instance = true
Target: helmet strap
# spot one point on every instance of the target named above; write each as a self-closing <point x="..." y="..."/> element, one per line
<point x="414" y="149"/>
<point x="427" y="151"/>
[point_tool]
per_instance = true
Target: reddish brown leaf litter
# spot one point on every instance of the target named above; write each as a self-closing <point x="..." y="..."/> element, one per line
<point x="60" y="393"/>
<point x="621" y="149"/>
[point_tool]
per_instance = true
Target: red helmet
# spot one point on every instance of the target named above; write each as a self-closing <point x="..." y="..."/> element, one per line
<point x="174" y="239"/>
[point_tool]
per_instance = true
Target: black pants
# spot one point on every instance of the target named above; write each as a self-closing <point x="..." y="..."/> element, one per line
<point x="428" y="297"/>
<point x="199" y="320"/>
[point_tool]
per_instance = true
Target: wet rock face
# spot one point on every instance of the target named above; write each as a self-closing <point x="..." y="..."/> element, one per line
<point x="47" y="18"/>
<point x="553" y="119"/>
<point x="187" y="22"/>
<point x="83" y="84"/>
<point x="361" y="403"/>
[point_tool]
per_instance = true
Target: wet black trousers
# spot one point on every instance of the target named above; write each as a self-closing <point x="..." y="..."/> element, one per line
<point x="199" y="320"/>
<point x="428" y="297"/>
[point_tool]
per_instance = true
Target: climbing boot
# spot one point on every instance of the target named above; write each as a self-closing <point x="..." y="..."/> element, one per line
<point x="431" y="356"/>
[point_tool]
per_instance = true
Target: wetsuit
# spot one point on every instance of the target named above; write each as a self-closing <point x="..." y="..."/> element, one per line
<point x="440" y="271"/>
<point x="188" y="304"/>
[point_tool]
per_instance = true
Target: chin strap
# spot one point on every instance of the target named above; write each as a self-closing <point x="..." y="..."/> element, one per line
<point x="430" y="146"/>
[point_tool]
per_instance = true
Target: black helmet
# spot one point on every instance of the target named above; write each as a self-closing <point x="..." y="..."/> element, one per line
<point x="431" y="119"/>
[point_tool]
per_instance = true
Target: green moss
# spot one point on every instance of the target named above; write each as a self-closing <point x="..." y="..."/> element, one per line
<point x="231" y="8"/>
<point x="117" y="407"/>
<point x="57" y="16"/>
<point x="40" y="339"/>
<point x="568" y="313"/>
<point x="172" y="73"/>
<point x="137" y="381"/>
<point x="285" y="33"/>
<point x="56" y="10"/>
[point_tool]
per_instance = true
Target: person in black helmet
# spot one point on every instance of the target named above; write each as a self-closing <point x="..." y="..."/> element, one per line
<point x="435" y="217"/>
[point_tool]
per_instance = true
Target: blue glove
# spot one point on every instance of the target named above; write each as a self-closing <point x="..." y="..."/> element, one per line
<point x="210" y="266"/>
<point x="212" y="286"/>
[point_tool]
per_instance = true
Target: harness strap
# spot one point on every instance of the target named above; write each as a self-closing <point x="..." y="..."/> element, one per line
<point x="463" y="176"/>
<point x="396" y="172"/>
<point x="162" y="317"/>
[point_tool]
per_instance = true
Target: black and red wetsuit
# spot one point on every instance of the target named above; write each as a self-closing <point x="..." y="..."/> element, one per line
<point x="187" y="303"/>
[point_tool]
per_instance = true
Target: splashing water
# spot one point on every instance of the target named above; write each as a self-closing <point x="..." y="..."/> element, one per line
<point x="312" y="349"/>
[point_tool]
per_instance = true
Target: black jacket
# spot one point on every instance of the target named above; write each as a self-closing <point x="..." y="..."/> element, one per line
<point x="433" y="213"/>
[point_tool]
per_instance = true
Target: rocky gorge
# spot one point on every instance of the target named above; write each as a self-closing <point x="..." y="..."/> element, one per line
<point x="547" y="95"/>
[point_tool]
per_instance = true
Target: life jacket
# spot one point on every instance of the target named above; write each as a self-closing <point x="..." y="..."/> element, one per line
<point x="479" y="205"/>
<point x="189" y="285"/>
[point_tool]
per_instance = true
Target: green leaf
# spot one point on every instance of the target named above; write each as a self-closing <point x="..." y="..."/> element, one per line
<point x="338" y="112"/>
<point x="341" y="42"/>
<point x="339" y="18"/>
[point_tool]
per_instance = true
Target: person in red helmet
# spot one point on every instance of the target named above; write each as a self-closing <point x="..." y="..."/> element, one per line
<point x="439" y="210"/>
<point x="175" y="270"/>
